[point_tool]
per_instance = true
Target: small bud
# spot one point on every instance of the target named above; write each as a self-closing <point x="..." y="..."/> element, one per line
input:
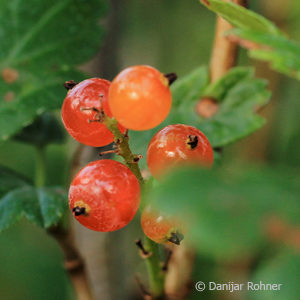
<point x="207" y="107"/>
<point x="10" y="75"/>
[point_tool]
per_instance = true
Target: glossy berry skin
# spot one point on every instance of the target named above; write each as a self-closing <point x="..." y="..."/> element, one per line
<point x="158" y="228"/>
<point x="86" y="94"/>
<point x="140" y="97"/>
<point x="106" y="194"/>
<point x="177" y="145"/>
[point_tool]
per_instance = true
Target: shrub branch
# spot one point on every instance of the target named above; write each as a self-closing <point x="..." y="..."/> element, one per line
<point x="155" y="274"/>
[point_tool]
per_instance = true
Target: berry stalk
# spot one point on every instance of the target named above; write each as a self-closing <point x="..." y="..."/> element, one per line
<point x="224" y="52"/>
<point x="152" y="260"/>
<point x="121" y="141"/>
<point x="155" y="272"/>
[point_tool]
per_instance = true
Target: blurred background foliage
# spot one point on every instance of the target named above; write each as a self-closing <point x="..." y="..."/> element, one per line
<point x="172" y="35"/>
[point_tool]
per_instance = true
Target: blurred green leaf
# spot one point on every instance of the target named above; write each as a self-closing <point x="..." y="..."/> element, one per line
<point x="281" y="52"/>
<point x="10" y="180"/>
<point x="44" y="130"/>
<point x="220" y="88"/>
<point x="283" y="269"/>
<point x="189" y="87"/>
<point x="225" y="210"/>
<point x="241" y="17"/>
<point x="42" y="206"/>
<point x="264" y="41"/>
<point x="240" y="96"/>
<point x="42" y="43"/>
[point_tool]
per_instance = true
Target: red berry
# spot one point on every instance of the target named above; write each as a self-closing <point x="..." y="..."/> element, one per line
<point x="76" y="118"/>
<point x="178" y="144"/>
<point x="140" y="97"/>
<point x="104" y="195"/>
<point x="160" y="229"/>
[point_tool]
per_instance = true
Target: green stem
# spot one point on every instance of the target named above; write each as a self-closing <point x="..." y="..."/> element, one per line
<point x="122" y="142"/>
<point x="155" y="273"/>
<point x="40" y="169"/>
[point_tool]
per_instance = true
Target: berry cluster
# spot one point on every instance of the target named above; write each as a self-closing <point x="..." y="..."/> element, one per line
<point x="105" y="194"/>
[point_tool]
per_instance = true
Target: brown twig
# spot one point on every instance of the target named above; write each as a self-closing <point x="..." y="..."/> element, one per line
<point x="180" y="266"/>
<point x="145" y="293"/>
<point x="114" y="151"/>
<point x="74" y="264"/>
<point x="224" y="51"/>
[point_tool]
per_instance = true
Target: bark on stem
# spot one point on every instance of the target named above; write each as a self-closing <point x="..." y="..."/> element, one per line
<point x="224" y="53"/>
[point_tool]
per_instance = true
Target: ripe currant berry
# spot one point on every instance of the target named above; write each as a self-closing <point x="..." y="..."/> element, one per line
<point x="160" y="229"/>
<point x="81" y="111"/>
<point x="178" y="144"/>
<point x="140" y="97"/>
<point x="104" y="195"/>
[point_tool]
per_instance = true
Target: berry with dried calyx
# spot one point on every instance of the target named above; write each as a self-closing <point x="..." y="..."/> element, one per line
<point x="82" y="109"/>
<point x="140" y="97"/>
<point x="176" y="145"/>
<point x="104" y="195"/>
<point x="159" y="228"/>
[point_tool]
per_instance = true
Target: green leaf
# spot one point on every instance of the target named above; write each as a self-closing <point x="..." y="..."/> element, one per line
<point x="239" y="97"/>
<point x="282" y="269"/>
<point x="53" y="204"/>
<point x="241" y="17"/>
<point x="44" y="130"/>
<point x="42" y="43"/>
<point x="225" y="211"/>
<point x="44" y="206"/>
<point x="264" y="41"/>
<point x="220" y="88"/>
<point x="10" y="180"/>
<point x="190" y="87"/>
<point x="281" y="52"/>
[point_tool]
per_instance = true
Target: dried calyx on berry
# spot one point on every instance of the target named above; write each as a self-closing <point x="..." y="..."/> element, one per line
<point x="78" y="211"/>
<point x="70" y="84"/>
<point x="176" y="237"/>
<point x="80" y="208"/>
<point x="192" y="141"/>
<point x="171" y="77"/>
